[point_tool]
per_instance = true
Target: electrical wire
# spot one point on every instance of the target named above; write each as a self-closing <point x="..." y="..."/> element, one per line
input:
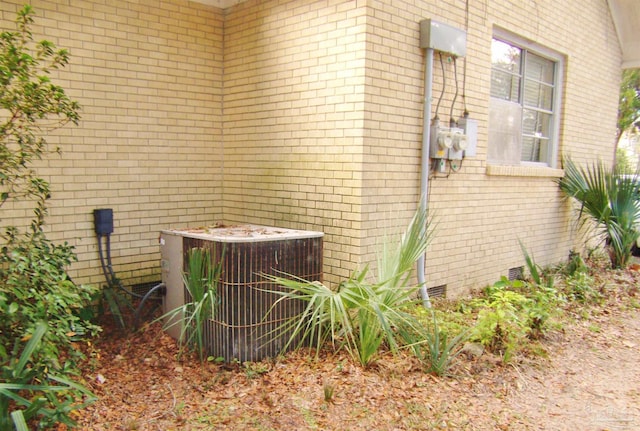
<point x="464" y="66"/>
<point x="452" y="121"/>
<point x="458" y="168"/>
<point x="107" y="267"/>
<point x="443" y="85"/>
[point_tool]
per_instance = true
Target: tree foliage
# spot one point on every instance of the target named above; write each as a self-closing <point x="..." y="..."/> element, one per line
<point x="35" y="291"/>
<point x="629" y="104"/>
<point x="31" y="105"/>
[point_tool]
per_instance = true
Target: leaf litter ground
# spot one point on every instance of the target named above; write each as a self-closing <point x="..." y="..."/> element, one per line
<point x="589" y="380"/>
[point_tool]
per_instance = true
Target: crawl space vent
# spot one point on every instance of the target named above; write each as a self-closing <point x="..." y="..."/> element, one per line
<point x="246" y="326"/>
<point x="516" y="273"/>
<point x="437" y="291"/>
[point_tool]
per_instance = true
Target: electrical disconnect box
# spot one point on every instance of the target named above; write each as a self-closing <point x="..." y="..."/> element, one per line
<point x="470" y="128"/>
<point x="443" y="37"/>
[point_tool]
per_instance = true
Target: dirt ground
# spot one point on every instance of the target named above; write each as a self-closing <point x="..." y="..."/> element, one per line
<point x="590" y="380"/>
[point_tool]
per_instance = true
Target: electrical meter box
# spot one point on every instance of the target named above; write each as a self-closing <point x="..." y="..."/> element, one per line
<point x="441" y="141"/>
<point x="458" y="143"/>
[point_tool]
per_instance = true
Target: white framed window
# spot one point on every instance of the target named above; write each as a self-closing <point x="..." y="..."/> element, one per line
<point x="524" y="109"/>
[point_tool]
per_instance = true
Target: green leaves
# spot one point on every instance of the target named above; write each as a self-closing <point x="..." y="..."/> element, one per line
<point x="30" y="105"/>
<point x="201" y="281"/>
<point x="34" y="287"/>
<point x="30" y="392"/>
<point x="629" y="103"/>
<point x="608" y="199"/>
<point x="360" y="315"/>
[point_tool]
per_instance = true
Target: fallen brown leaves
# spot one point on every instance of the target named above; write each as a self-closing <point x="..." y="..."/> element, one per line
<point x="142" y="386"/>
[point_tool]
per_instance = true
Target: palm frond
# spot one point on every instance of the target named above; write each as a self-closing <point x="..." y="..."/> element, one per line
<point x="607" y="199"/>
<point x="360" y="314"/>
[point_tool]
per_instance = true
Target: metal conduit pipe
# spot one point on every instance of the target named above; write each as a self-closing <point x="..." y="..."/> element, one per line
<point x="424" y="168"/>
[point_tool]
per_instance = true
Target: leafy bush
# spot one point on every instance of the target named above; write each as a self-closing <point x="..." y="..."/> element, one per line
<point x="502" y="318"/>
<point x="34" y="286"/>
<point x="511" y="312"/>
<point x="29" y="393"/>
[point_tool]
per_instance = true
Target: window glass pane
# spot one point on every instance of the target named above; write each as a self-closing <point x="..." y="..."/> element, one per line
<point x="532" y="148"/>
<point x="539" y="68"/>
<point x="538" y="95"/>
<point x="523" y="99"/>
<point x="505" y="132"/>
<point x="535" y="123"/>
<point x="505" y="57"/>
<point x="505" y="86"/>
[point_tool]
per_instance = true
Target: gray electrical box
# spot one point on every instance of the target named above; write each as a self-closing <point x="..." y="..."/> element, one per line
<point x="443" y="37"/>
<point x="470" y="129"/>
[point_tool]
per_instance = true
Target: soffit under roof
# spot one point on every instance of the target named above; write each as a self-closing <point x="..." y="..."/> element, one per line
<point x="626" y="17"/>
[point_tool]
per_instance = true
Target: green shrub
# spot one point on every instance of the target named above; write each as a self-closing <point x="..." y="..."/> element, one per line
<point x="501" y="323"/>
<point x="34" y="286"/>
<point x="28" y="392"/>
<point x="511" y="313"/>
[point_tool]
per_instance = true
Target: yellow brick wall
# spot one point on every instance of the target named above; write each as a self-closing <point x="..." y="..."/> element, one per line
<point x="286" y="134"/>
<point x="294" y="113"/>
<point x="149" y="144"/>
<point x="308" y="114"/>
<point x="482" y="211"/>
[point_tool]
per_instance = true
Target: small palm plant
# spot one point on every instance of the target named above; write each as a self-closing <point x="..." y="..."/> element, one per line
<point x="201" y="281"/>
<point x="360" y="314"/>
<point x="608" y="199"/>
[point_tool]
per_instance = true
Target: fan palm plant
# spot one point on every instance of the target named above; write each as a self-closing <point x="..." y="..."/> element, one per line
<point x="360" y="314"/>
<point x="608" y="199"/>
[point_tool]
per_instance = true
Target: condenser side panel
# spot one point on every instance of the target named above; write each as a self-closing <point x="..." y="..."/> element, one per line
<point x="172" y="264"/>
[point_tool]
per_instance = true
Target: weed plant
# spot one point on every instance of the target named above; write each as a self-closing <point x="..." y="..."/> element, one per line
<point x="579" y="288"/>
<point x="437" y="349"/>
<point x="328" y="390"/>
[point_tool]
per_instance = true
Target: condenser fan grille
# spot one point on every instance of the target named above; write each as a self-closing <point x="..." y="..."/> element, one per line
<point x="248" y="322"/>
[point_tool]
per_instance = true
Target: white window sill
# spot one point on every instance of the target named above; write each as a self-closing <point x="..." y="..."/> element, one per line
<point x="524" y="171"/>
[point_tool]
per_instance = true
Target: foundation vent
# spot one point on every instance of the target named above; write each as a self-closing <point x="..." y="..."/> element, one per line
<point x="245" y="324"/>
<point x="437" y="291"/>
<point x="516" y="273"/>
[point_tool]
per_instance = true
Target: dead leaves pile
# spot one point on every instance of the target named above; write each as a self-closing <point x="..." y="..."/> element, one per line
<point x="142" y="386"/>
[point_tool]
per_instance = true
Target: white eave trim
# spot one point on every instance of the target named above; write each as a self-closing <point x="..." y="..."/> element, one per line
<point x="626" y="17"/>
